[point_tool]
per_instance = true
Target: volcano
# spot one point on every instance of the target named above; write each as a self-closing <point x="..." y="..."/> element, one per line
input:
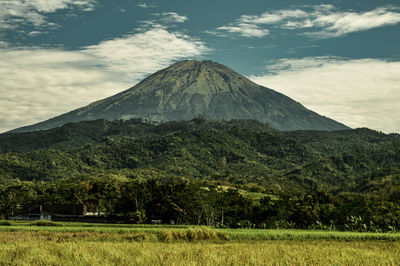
<point x="189" y="89"/>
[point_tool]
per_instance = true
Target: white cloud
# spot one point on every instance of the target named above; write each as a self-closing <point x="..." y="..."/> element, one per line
<point x="14" y="13"/>
<point x="34" y="33"/>
<point x="245" y="30"/>
<point x="273" y="17"/>
<point x="359" y="93"/>
<point x="142" y="53"/>
<point x="340" y="23"/>
<point x="42" y="83"/>
<point x="50" y="6"/>
<point x="173" y="17"/>
<point x="162" y="20"/>
<point x="144" y="5"/>
<point x="322" y="21"/>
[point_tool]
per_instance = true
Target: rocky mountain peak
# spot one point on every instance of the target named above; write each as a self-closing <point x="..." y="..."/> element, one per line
<point x="190" y="88"/>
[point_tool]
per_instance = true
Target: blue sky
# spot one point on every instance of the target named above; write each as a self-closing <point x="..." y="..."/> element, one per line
<point x="338" y="58"/>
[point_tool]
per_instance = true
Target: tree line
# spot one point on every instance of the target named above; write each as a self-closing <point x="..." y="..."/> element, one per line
<point x="181" y="201"/>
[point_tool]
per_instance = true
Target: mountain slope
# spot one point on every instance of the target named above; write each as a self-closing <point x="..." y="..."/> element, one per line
<point x="189" y="89"/>
<point x="74" y="135"/>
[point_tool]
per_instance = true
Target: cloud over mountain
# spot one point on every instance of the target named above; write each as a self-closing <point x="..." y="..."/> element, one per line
<point x="39" y="80"/>
<point x="358" y="92"/>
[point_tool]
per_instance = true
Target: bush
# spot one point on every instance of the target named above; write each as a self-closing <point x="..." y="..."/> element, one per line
<point x="5" y="223"/>
<point x="191" y="234"/>
<point x="45" y="223"/>
<point x="283" y="224"/>
<point x="222" y="236"/>
<point x="355" y="223"/>
<point x="245" y="224"/>
<point x="201" y="233"/>
<point x="165" y="236"/>
<point x="138" y="237"/>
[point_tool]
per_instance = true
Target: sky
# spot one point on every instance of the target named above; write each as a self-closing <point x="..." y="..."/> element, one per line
<point x="340" y="59"/>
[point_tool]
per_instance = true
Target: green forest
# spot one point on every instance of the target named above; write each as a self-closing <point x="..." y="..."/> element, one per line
<point x="238" y="173"/>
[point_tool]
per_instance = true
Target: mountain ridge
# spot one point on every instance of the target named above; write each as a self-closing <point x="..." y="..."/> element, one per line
<point x="188" y="89"/>
<point x="237" y="151"/>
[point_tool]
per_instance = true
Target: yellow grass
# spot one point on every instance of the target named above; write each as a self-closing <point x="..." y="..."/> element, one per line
<point x="55" y="248"/>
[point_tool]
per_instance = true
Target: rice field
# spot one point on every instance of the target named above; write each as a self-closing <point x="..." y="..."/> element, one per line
<point x="108" y="244"/>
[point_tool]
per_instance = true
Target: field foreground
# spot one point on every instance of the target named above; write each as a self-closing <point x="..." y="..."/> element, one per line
<point x="22" y="244"/>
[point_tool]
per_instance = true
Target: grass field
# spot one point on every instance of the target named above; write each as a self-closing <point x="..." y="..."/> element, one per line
<point x="106" y="244"/>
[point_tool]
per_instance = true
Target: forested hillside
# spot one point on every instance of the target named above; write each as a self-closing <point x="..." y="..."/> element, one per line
<point x="187" y="170"/>
<point x="237" y="152"/>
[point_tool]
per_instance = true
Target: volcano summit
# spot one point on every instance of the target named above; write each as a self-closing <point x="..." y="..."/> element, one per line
<point x="188" y="89"/>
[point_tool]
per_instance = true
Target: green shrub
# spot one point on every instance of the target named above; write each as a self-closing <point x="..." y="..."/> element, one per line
<point x="138" y="237"/>
<point x="191" y="234"/>
<point x="179" y="235"/>
<point x="165" y="236"/>
<point x="45" y="223"/>
<point x="245" y="224"/>
<point x="201" y="233"/>
<point x="223" y="236"/>
<point x="5" y="223"/>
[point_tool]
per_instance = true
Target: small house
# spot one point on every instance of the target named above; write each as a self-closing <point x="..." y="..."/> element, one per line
<point x="57" y="212"/>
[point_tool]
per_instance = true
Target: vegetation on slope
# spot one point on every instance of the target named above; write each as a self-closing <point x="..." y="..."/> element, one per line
<point x="238" y="152"/>
<point x="238" y="173"/>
